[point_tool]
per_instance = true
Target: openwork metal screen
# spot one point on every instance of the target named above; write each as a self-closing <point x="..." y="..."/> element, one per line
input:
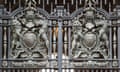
<point x="59" y="36"/>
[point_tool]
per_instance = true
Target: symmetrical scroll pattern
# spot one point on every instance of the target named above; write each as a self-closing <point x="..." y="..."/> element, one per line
<point x="90" y="37"/>
<point x="29" y="37"/>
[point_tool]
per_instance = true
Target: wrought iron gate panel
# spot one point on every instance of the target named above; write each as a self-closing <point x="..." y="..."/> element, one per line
<point x="69" y="36"/>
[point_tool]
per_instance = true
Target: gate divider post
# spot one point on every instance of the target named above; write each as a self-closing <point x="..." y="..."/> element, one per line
<point x="60" y="45"/>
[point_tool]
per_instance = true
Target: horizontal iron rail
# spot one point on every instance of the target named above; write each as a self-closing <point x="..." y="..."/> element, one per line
<point x="82" y="68"/>
<point x="110" y="26"/>
<point x="52" y="59"/>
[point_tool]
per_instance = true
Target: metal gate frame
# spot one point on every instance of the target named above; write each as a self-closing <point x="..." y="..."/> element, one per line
<point x="59" y="18"/>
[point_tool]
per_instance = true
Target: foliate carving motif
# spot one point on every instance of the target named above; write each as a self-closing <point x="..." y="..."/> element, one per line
<point x="29" y="37"/>
<point x="90" y="38"/>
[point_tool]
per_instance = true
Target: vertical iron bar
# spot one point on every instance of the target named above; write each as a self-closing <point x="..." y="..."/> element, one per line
<point x="14" y="1"/>
<point x="18" y="70"/>
<point x="60" y="45"/>
<point x="105" y="2"/>
<point x="110" y="44"/>
<point x="5" y="1"/>
<point x="55" y="1"/>
<point x="69" y="44"/>
<point x="114" y="44"/>
<point x="1" y="42"/>
<point x="10" y="7"/>
<point x="114" y="2"/>
<point x="83" y="70"/>
<point x="51" y="7"/>
<point x="5" y="44"/>
<point x="50" y="49"/>
<point x="118" y="35"/>
<point x="65" y="44"/>
<point x="68" y="8"/>
<point x="109" y="7"/>
<point x="64" y="2"/>
<point x="19" y="3"/>
<point x="23" y="70"/>
<point x="39" y="1"/>
<point x="92" y="70"/>
<point x="101" y="4"/>
<point x="80" y="2"/>
<point x="76" y="4"/>
<point x="47" y="1"/>
<point x="43" y="4"/>
<point x="72" y="2"/>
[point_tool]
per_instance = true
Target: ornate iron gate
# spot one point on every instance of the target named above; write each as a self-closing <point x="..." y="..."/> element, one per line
<point x="57" y="39"/>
